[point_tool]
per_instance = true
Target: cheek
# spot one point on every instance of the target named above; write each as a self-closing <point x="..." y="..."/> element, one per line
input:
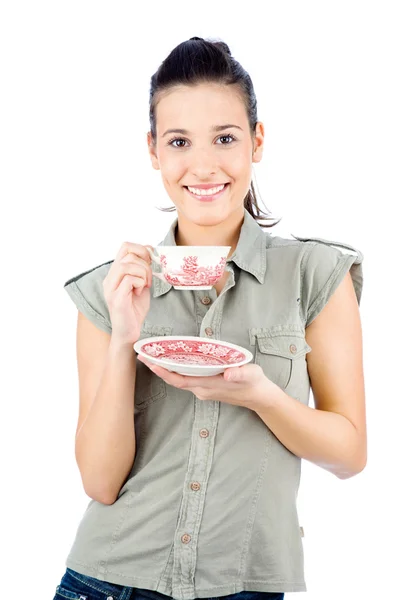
<point x="171" y="170"/>
<point x="241" y="173"/>
<point x="238" y="164"/>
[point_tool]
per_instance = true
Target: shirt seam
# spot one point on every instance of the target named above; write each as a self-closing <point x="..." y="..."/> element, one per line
<point x="77" y="277"/>
<point x="343" y="260"/>
<point x="303" y="266"/>
<point x="253" y="510"/>
<point x="270" y="580"/>
<point x="74" y="289"/>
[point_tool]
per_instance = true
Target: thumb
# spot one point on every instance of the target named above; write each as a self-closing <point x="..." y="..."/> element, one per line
<point x="233" y="374"/>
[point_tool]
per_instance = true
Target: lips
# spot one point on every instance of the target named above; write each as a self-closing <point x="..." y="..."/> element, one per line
<point x="206" y="186"/>
<point x="205" y="197"/>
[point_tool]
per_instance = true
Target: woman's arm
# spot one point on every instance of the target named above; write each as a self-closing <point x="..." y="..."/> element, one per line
<point x="333" y="435"/>
<point x="105" y="443"/>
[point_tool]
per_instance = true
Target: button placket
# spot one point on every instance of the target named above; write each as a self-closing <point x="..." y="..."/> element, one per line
<point x="199" y="464"/>
<point x="193" y="497"/>
<point x="213" y="317"/>
<point x="210" y="313"/>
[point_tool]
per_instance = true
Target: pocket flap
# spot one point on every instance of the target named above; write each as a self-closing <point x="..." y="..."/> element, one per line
<point x="289" y="346"/>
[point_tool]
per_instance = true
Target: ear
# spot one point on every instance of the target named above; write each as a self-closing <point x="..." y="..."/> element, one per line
<point x="152" y="151"/>
<point x="258" y="142"/>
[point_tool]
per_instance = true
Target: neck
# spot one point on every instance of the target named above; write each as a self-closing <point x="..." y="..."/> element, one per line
<point x="226" y="233"/>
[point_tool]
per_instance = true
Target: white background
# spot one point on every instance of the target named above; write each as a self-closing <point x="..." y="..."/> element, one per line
<point x="76" y="182"/>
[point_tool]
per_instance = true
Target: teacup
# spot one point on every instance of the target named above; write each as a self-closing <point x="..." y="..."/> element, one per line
<point x="190" y="267"/>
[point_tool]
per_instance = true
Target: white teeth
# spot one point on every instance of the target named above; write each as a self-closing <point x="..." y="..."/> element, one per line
<point x="209" y="192"/>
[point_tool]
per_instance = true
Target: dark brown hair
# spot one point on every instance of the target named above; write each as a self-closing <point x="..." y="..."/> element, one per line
<point x="202" y="61"/>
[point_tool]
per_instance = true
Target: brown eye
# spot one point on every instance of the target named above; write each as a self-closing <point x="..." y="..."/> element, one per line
<point x="171" y="143"/>
<point x="226" y="136"/>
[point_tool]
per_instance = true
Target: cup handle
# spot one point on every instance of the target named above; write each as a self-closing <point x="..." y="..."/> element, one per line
<point x="153" y="256"/>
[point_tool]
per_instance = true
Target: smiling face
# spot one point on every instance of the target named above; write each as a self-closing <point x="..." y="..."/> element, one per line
<point x="204" y="140"/>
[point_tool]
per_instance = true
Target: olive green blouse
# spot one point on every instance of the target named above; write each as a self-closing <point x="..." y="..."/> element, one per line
<point x="209" y="507"/>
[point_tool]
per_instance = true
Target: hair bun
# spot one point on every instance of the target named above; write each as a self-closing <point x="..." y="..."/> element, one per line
<point x="220" y="45"/>
<point x="224" y="47"/>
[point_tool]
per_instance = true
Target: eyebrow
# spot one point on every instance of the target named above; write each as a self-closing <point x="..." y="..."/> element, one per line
<point x="214" y="128"/>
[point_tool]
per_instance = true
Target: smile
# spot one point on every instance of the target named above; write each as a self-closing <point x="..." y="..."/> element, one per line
<point x="207" y="195"/>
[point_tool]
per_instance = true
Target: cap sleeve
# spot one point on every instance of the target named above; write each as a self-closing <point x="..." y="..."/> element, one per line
<point x="86" y="291"/>
<point x="325" y="267"/>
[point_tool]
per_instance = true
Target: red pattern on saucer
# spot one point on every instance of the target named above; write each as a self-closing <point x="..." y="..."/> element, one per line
<point x="191" y="273"/>
<point x="193" y="353"/>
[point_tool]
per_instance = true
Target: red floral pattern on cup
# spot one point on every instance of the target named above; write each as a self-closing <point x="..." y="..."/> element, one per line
<point x="191" y="274"/>
<point x="193" y="353"/>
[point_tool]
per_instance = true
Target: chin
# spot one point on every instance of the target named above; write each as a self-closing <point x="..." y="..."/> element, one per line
<point x="208" y="217"/>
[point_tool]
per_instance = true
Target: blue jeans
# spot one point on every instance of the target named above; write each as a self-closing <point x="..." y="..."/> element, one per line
<point x="74" y="586"/>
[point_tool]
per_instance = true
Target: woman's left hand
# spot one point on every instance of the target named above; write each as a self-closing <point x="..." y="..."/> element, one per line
<point x="242" y="386"/>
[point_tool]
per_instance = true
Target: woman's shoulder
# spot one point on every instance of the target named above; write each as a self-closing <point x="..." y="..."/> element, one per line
<point x="321" y="263"/>
<point x="86" y="291"/>
<point x="94" y="274"/>
<point x="306" y="244"/>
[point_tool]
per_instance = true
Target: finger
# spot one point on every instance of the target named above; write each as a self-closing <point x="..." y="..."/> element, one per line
<point x="244" y="374"/>
<point x="169" y="377"/>
<point x="209" y="382"/>
<point x="233" y="375"/>
<point x="137" y="274"/>
<point x="128" y="283"/>
<point x="132" y="259"/>
<point x="137" y="249"/>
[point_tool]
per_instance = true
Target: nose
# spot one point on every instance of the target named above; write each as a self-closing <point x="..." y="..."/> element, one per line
<point x="203" y="163"/>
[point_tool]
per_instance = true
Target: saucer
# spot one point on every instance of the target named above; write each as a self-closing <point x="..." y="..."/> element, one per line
<point x="193" y="356"/>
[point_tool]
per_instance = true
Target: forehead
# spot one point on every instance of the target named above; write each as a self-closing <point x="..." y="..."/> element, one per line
<point x="199" y="104"/>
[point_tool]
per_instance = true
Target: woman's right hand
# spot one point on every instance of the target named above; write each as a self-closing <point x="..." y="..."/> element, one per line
<point x="127" y="292"/>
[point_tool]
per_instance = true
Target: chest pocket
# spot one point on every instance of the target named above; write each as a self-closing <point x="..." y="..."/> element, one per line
<point x="149" y="387"/>
<point x="281" y="353"/>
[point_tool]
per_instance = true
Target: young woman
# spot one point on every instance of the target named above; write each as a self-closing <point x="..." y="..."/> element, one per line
<point x="193" y="480"/>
